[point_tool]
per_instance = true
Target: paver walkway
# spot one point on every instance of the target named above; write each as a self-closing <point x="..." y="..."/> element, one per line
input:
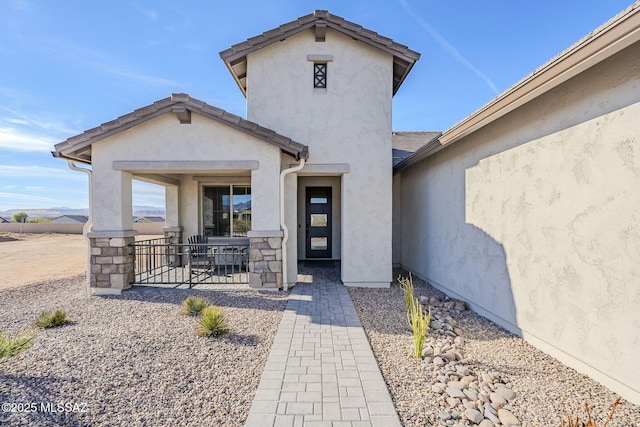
<point x="321" y="370"/>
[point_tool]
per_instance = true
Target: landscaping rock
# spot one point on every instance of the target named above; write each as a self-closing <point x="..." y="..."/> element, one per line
<point x="508" y="419"/>
<point x="455" y="392"/>
<point x="474" y="415"/>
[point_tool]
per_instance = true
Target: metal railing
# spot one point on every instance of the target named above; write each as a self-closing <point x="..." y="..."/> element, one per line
<point x="157" y="261"/>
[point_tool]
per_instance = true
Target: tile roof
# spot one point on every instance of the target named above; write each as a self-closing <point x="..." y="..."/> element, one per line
<point x="79" y="147"/>
<point x="406" y="143"/>
<point x="236" y="56"/>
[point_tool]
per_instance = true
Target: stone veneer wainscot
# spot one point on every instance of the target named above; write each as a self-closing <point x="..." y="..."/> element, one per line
<point x="265" y="259"/>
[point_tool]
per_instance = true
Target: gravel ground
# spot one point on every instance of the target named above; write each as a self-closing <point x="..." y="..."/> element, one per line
<point x="133" y="359"/>
<point x="546" y="390"/>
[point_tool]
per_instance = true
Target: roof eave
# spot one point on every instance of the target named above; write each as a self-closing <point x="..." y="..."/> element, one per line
<point x="434" y="145"/>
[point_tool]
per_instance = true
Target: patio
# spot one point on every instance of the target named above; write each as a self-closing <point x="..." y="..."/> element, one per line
<point x="205" y="266"/>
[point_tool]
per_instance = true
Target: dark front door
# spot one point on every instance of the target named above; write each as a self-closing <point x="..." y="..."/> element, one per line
<point x="318" y="222"/>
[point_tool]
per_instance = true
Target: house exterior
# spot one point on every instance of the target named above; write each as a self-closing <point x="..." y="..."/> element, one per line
<point x="70" y="219"/>
<point x="529" y="208"/>
<point x="309" y="171"/>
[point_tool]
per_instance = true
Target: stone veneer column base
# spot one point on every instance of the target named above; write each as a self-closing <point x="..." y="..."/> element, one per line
<point x="265" y="259"/>
<point x="111" y="261"/>
<point x="174" y="235"/>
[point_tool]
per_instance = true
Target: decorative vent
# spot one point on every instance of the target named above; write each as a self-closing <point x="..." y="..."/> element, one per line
<point x="320" y="75"/>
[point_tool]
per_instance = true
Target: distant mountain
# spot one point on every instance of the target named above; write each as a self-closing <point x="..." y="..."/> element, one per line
<point x="59" y="211"/>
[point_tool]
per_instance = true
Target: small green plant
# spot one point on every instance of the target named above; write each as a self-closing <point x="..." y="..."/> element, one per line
<point x="48" y="319"/>
<point x="212" y="322"/>
<point x="417" y="319"/>
<point x="407" y="287"/>
<point x="192" y="306"/>
<point x="420" y="325"/>
<point x="13" y="345"/>
<point x="589" y="423"/>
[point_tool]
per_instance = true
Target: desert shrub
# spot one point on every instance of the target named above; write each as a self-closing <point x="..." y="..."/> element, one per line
<point x="212" y="322"/>
<point x="406" y="284"/>
<point x="48" y="319"/>
<point x="192" y="306"/>
<point x="419" y="321"/>
<point x="13" y="345"/>
<point x="576" y="422"/>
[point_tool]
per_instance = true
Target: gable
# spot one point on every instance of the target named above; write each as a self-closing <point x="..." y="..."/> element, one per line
<point x="235" y="58"/>
<point x="79" y="147"/>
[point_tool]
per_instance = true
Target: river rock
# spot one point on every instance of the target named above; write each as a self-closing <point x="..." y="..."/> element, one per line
<point x="471" y="394"/>
<point x="505" y="392"/>
<point x="508" y="419"/>
<point x="453" y="401"/>
<point x="497" y="398"/>
<point x="457" y="384"/>
<point x="438" y="388"/>
<point x="455" y="392"/>
<point x="474" y="415"/>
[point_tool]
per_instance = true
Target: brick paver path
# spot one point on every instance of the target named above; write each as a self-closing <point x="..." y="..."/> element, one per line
<point x="321" y="370"/>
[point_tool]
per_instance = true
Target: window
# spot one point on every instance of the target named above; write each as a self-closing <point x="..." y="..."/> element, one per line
<point x="226" y="210"/>
<point x="320" y="75"/>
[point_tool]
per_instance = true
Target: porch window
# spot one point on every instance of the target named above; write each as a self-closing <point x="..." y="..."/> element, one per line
<point x="226" y="210"/>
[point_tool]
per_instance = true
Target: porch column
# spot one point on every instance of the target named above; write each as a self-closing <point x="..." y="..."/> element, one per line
<point x="265" y="259"/>
<point x="172" y="230"/>
<point x="112" y="237"/>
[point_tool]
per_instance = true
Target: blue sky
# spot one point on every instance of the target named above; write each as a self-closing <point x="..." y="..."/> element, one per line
<point x="67" y="66"/>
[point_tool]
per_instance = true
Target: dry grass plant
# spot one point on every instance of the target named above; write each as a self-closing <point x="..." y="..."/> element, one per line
<point x="13" y="345"/>
<point x="48" y="319"/>
<point x="570" y="422"/>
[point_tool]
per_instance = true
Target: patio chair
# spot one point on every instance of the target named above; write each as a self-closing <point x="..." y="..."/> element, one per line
<point x="199" y="256"/>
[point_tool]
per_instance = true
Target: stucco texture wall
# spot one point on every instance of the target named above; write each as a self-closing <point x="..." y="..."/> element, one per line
<point x="535" y="220"/>
<point x="349" y="122"/>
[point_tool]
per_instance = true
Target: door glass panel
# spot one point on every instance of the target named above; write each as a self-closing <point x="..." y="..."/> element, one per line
<point x="318" y="197"/>
<point x="318" y="243"/>
<point x="319" y="220"/>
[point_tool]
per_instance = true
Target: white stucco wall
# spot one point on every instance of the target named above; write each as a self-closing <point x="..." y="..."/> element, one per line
<point x="535" y="221"/>
<point x="165" y="139"/>
<point x="347" y="123"/>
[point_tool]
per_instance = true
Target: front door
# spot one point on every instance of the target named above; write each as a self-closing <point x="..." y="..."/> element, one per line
<point x="318" y="222"/>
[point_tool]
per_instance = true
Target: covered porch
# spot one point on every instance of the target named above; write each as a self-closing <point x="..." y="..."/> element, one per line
<point x="221" y="176"/>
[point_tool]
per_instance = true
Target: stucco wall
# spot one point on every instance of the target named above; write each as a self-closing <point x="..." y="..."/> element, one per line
<point x="347" y="123"/>
<point x="165" y="139"/>
<point x="535" y="220"/>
